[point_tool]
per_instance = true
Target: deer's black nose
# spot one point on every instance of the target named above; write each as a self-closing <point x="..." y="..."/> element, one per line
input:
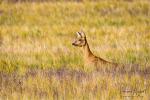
<point x="73" y="43"/>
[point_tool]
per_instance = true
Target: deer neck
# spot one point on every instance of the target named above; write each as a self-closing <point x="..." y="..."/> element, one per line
<point x="87" y="52"/>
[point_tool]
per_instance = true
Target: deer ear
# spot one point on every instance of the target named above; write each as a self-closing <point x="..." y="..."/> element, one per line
<point x="78" y="34"/>
<point x="82" y="34"/>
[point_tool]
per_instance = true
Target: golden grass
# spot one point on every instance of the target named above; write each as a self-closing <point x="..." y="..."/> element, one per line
<point x="37" y="60"/>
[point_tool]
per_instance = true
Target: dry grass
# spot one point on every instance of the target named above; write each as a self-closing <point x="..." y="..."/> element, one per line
<point x="37" y="60"/>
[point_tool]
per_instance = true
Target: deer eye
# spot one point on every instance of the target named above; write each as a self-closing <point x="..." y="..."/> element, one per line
<point x="80" y="39"/>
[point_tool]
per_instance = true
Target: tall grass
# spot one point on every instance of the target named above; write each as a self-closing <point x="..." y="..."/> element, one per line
<point x="38" y="61"/>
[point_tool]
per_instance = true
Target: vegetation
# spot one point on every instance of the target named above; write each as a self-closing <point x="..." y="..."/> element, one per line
<point x="38" y="61"/>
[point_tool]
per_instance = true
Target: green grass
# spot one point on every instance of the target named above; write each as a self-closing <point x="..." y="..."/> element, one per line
<point x="38" y="36"/>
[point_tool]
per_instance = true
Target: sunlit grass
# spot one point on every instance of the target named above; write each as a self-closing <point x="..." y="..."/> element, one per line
<point x="38" y="36"/>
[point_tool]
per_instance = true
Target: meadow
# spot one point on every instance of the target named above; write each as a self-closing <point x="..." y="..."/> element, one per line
<point x="38" y="61"/>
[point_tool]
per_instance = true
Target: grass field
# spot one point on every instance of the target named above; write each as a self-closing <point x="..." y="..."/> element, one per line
<point x="37" y="60"/>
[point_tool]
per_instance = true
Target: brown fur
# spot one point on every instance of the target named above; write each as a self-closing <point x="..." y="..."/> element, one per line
<point x="89" y="57"/>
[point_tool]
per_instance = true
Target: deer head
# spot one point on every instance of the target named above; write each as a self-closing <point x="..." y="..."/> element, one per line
<point x="80" y="41"/>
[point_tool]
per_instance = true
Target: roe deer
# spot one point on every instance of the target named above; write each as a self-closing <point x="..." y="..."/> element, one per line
<point x="103" y="65"/>
<point x="89" y="57"/>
